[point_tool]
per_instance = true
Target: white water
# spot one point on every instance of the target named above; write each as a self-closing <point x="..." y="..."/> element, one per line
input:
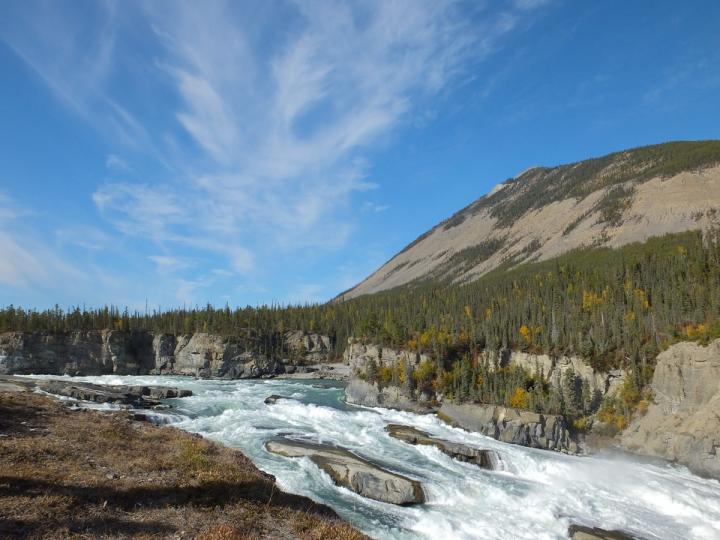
<point x="537" y="497"/>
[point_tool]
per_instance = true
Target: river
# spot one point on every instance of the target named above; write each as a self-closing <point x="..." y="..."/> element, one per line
<point x="536" y="496"/>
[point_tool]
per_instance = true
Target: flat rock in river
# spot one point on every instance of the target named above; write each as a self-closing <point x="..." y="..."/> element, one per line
<point x="353" y="472"/>
<point x="487" y="459"/>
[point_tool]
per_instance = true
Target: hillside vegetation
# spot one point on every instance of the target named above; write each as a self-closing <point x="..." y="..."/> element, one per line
<point x="614" y="307"/>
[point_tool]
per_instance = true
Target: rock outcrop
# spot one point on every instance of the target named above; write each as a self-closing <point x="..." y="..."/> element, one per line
<point x="351" y="471"/>
<point x="683" y="422"/>
<point x="358" y="354"/>
<point x="526" y="428"/>
<point x="141" y="353"/>
<point x="486" y="459"/>
<point x="135" y="396"/>
<point x="554" y="370"/>
<point x="308" y="347"/>
<point x="360" y="392"/>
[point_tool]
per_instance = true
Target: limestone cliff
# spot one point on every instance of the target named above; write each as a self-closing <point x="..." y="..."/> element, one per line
<point x="683" y="422"/>
<point x="139" y="353"/>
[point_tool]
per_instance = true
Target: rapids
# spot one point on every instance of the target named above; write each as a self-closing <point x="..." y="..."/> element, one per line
<point x="536" y="496"/>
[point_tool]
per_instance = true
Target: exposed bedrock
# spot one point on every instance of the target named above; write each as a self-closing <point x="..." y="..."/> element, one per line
<point x="683" y="422"/>
<point x="140" y="353"/>
<point x="136" y="396"/>
<point x="484" y="458"/>
<point x="360" y="392"/>
<point x="515" y="426"/>
<point x="353" y="472"/>
<point x="554" y="370"/>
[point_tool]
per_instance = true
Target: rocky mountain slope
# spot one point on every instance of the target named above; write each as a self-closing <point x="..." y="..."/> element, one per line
<point x="610" y="201"/>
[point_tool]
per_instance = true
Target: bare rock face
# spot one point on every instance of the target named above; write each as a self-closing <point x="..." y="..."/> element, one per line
<point x="683" y="423"/>
<point x="353" y="472"/>
<point x="139" y="353"/>
<point x="76" y="353"/>
<point x="555" y="370"/>
<point x="515" y="426"/>
<point x="310" y="347"/>
<point x="357" y="355"/>
<point x="486" y="459"/>
<point x="360" y="392"/>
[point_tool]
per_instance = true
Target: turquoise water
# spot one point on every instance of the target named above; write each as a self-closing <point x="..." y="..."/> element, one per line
<point x="536" y="497"/>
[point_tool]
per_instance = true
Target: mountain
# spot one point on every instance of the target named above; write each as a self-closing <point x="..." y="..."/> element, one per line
<point x="624" y="197"/>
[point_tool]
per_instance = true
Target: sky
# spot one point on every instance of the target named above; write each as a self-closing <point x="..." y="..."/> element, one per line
<point x="174" y="153"/>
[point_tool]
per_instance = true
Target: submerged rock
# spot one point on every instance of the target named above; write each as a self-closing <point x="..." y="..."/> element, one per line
<point x="273" y="399"/>
<point x="486" y="459"/>
<point x="580" y="532"/>
<point x="353" y="472"/>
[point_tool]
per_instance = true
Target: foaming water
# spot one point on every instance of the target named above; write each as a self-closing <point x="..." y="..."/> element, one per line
<point x="536" y="495"/>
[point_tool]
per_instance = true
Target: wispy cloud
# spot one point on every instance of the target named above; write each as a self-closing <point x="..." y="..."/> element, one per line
<point x="268" y="121"/>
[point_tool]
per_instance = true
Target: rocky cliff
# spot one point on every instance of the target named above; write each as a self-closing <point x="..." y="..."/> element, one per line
<point x="526" y="428"/>
<point x="683" y="422"/>
<point x="544" y="212"/>
<point x="139" y="353"/>
<point x="554" y="370"/>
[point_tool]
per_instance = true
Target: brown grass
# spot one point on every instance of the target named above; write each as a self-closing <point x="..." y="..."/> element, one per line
<point x="86" y="474"/>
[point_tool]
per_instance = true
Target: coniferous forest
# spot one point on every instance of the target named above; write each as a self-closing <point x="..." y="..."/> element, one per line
<point x="617" y="308"/>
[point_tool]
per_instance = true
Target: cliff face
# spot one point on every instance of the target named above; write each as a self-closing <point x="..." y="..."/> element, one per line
<point x="544" y="212"/>
<point x="683" y="422"/>
<point x="140" y="353"/>
<point x="553" y="370"/>
<point x="526" y="428"/>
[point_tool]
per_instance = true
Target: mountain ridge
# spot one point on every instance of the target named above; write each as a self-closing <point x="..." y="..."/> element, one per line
<point x="542" y="212"/>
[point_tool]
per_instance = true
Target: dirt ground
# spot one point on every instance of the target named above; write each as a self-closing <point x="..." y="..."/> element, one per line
<point x="85" y="474"/>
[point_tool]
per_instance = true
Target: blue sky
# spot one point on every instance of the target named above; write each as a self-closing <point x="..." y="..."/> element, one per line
<point x="252" y="152"/>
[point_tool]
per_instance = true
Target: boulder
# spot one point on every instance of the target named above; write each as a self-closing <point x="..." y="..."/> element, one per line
<point x="273" y="399"/>
<point x="683" y="422"/>
<point x="514" y="426"/>
<point x="486" y="459"/>
<point x="353" y="472"/>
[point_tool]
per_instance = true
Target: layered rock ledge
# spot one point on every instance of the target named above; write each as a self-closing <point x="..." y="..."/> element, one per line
<point x="515" y="426"/>
<point x="353" y="472"/>
<point x="135" y="396"/>
<point x="486" y="459"/>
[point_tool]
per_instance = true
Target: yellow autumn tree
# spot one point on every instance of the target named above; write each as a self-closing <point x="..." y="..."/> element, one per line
<point x="519" y="399"/>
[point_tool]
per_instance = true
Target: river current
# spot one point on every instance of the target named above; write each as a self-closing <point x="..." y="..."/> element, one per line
<point x="537" y="495"/>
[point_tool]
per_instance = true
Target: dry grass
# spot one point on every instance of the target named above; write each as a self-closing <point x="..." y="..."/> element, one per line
<point x="85" y="474"/>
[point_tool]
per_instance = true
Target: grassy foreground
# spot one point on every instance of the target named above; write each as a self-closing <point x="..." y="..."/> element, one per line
<point x="86" y="474"/>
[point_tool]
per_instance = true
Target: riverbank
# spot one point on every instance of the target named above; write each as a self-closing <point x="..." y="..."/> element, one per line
<point x="80" y="473"/>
